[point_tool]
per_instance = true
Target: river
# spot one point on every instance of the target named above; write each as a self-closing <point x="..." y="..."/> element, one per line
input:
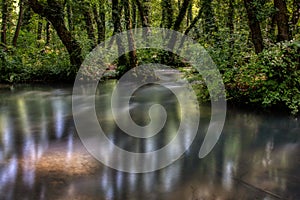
<point x="42" y="157"/>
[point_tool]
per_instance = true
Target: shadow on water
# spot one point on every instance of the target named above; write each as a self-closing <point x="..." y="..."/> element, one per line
<point x="41" y="156"/>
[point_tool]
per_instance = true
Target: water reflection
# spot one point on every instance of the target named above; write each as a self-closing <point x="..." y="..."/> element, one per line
<point x="58" y="116"/>
<point x="42" y="158"/>
<point x="7" y="138"/>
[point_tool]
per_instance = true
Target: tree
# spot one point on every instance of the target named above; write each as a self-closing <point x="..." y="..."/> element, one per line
<point x="100" y="20"/>
<point x="254" y="26"/>
<point x="132" y="54"/>
<point x="167" y="14"/>
<point x="209" y="18"/>
<point x="181" y="15"/>
<point x="69" y="15"/>
<point x="134" y="20"/>
<point x="39" y="29"/>
<point x="295" y="16"/>
<point x="19" y="23"/>
<point x="48" y="34"/>
<point x="194" y="21"/>
<point x="176" y="26"/>
<point x="190" y="14"/>
<point x="116" y="18"/>
<point x="282" y="20"/>
<point x="5" y="16"/>
<point x="54" y="13"/>
<point x="86" y="11"/>
<point x="230" y="25"/>
<point x="144" y="15"/>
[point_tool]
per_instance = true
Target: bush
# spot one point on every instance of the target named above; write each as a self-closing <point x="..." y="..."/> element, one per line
<point x="271" y="78"/>
<point x="46" y="65"/>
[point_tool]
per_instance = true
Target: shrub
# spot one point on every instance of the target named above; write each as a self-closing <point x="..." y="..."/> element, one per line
<point x="270" y="78"/>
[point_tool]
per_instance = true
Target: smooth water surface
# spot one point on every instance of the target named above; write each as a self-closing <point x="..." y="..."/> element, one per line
<point x="41" y="156"/>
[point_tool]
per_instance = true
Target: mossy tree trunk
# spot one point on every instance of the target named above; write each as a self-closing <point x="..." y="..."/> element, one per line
<point x="254" y="26"/>
<point x="282" y="20"/>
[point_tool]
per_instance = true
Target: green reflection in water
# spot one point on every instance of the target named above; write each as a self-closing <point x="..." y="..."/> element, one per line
<point x="41" y="157"/>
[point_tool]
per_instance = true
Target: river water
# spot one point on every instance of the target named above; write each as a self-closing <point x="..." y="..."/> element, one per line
<point x="42" y="157"/>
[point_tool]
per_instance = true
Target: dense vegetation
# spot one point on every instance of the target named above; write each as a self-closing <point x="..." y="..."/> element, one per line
<point x="255" y="43"/>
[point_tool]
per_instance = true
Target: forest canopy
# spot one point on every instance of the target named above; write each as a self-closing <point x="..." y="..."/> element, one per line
<point x="254" y="43"/>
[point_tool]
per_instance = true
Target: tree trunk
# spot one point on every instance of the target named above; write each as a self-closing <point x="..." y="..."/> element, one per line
<point x="122" y="61"/>
<point x="230" y="25"/>
<point x="193" y="23"/>
<point x="54" y="13"/>
<point x="181" y="14"/>
<point x="27" y="16"/>
<point x="89" y="24"/>
<point x="170" y="58"/>
<point x="209" y="17"/>
<point x="133" y="8"/>
<point x="295" y="16"/>
<point x="48" y="35"/>
<point x="70" y="17"/>
<point x="282" y="20"/>
<point x="97" y="20"/>
<point x="116" y="17"/>
<point x="163" y="13"/>
<point x="100" y="20"/>
<point x="19" y="23"/>
<point x="190" y="14"/>
<point x="272" y="27"/>
<point x="176" y="27"/>
<point x="167" y="14"/>
<point x="146" y="7"/>
<point x="144" y="16"/>
<point x="5" y="13"/>
<point x="254" y="26"/>
<point x="39" y="29"/>
<point x="132" y="54"/>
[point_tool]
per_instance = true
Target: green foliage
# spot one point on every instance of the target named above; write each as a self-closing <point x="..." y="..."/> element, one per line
<point x="163" y="57"/>
<point x="198" y="84"/>
<point x="8" y="70"/>
<point x="271" y="78"/>
<point x="47" y="65"/>
<point x="264" y="9"/>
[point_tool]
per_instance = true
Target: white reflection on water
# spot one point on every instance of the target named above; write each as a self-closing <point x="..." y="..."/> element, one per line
<point x="58" y="109"/>
<point x="29" y="147"/>
<point x="267" y="160"/>
<point x="8" y="174"/>
<point x="43" y="141"/>
<point x="148" y="181"/>
<point x="119" y="180"/>
<point x="6" y="130"/>
<point x="70" y="146"/>
<point x="170" y="176"/>
<point x="227" y="175"/>
<point x="132" y="179"/>
<point x="106" y="184"/>
<point x="104" y="180"/>
<point x="29" y="161"/>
